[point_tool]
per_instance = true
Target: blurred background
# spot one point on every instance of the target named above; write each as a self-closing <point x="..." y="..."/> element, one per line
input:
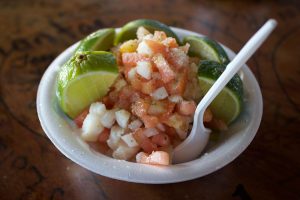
<point x="34" y="32"/>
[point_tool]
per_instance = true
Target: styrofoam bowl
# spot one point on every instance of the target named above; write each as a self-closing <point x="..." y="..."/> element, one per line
<point x="65" y="136"/>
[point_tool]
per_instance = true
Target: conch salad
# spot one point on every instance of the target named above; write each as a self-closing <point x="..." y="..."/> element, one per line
<point x="149" y="109"/>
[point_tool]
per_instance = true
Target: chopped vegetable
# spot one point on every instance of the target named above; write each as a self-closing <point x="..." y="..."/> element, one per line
<point x="122" y="117"/>
<point x="91" y="128"/>
<point x="155" y="158"/>
<point x="108" y="119"/>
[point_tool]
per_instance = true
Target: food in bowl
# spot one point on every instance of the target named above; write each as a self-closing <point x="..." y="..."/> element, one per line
<point x="137" y="96"/>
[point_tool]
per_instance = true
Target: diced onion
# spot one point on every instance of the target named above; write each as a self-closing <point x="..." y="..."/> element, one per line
<point x="161" y="127"/>
<point x="115" y="135"/>
<point x="122" y="117"/>
<point x="143" y="48"/>
<point x="129" y="140"/>
<point x="160" y="93"/>
<point x="123" y="152"/>
<point x="132" y="73"/>
<point x="135" y="124"/>
<point x="175" y="98"/>
<point x="142" y="32"/>
<point x="144" y="69"/>
<point x="120" y="84"/>
<point x="97" y="108"/>
<point x="91" y="128"/>
<point x="149" y="132"/>
<point x="108" y="119"/>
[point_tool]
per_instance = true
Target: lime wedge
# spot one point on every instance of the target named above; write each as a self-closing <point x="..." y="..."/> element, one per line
<point x="206" y="49"/>
<point x="100" y="40"/>
<point x="128" y="31"/>
<point x="85" y="78"/>
<point x="228" y="104"/>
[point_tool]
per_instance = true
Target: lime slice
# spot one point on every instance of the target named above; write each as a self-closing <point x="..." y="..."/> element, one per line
<point x="128" y="31"/>
<point x="85" y="78"/>
<point x="206" y="49"/>
<point x="100" y="40"/>
<point x="228" y="104"/>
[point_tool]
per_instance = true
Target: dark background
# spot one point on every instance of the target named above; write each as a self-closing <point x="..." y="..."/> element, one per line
<point x="34" y="32"/>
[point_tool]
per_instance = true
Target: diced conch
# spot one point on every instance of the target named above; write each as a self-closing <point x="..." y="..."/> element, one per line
<point x="129" y="140"/>
<point x="144" y="48"/>
<point x="144" y="69"/>
<point x="155" y="158"/>
<point x="116" y="133"/>
<point x="124" y="152"/>
<point x="160" y="93"/>
<point x="135" y="124"/>
<point x="97" y="108"/>
<point x="108" y="119"/>
<point x="122" y="117"/>
<point x="149" y="132"/>
<point x="91" y="128"/>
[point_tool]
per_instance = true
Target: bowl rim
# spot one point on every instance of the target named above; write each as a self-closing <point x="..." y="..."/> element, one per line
<point x="134" y="173"/>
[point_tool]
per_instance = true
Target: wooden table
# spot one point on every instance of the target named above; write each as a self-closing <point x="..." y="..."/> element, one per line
<point x="33" y="33"/>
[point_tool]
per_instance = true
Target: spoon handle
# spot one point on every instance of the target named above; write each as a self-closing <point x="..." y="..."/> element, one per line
<point x="240" y="59"/>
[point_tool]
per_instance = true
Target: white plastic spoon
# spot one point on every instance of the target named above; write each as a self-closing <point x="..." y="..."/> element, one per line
<point x="193" y="145"/>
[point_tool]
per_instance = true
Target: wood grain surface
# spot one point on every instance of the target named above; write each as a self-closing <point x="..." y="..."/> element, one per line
<point x="34" y="32"/>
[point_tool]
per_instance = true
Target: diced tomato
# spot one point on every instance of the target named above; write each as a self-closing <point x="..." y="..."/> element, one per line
<point x="148" y="146"/>
<point x="104" y="135"/>
<point x="124" y="97"/>
<point x="107" y="102"/>
<point x="144" y="142"/>
<point x="170" y="107"/>
<point x="178" y="58"/>
<point x="136" y="83"/>
<point x="170" y="131"/>
<point x="167" y="74"/>
<point x="157" y="108"/>
<point x="177" y="121"/>
<point x="150" y="121"/>
<point x="186" y="107"/>
<point x="80" y="118"/>
<point x="150" y="86"/>
<point x="161" y="139"/>
<point x="126" y="92"/>
<point x="170" y="42"/>
<point x="161" y="109"/>
<point x="113" y="96"/>
<point x="157" y="47"/>
<point x="139" y="136"/>
<point x="130" y="59"/>
<point x="128" y="96"/>
<point x="136" y="96"/>
<point x="178" y="85"/>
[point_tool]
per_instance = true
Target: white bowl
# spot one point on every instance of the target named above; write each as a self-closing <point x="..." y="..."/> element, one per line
<point x="64" y="134"/>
